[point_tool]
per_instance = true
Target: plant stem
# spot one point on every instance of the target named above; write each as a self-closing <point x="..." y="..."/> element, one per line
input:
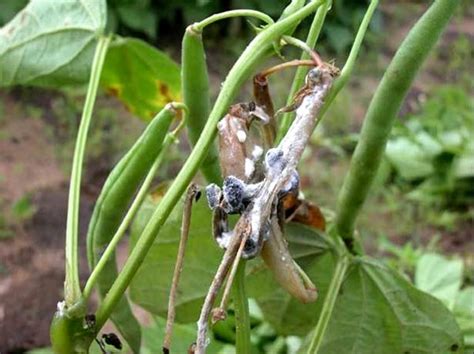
<point x="298" y="81"/>
<point x="72" y="290"/>
<point x="137" y="202"/>
<point x="233" y="13"/>
<point x="241" y="307"/>
<point x="329" y="301"/>
<point x="301" y="45"/>
<point x="383" y="110"/>
<point x="191" y="194"/>
<point x="242" y="69"/>
<point x="346" y="71"/>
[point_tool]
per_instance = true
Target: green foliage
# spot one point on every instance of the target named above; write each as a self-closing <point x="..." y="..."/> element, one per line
<point x="443" y="278"/>
<point x="23" y="209"/>
<point x="9" y="8"/>
<point x="50" y="43"/>
<point x="379" y="311"/>
<point x="141" y="76"/>
<point x="202" y="258"/>
<point x="370" y="290"/>
<point x="183" y="337"/>
<point x="434" y="151"/>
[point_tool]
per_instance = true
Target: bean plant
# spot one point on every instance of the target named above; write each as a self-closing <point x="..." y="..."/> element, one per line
<point x="252" y="236"/>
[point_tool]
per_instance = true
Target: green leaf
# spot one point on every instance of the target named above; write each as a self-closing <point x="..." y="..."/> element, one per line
<point x="142" y="77"/>
<point x="440" y="277"/>
<point x="51" y="42"/>
<point x="464" y="312"/>
<point x="183" y="337"/>
<point x="201" y="261"/>
<point x="139" y="18"/>
<point x="150" y="287"/>
<point x="287" y="315"/>
<point x="409" y="158"/>
<point x="379" y="311"/>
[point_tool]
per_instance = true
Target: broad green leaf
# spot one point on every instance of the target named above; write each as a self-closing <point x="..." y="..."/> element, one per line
<point x="183" y="337"/>
<point x="51" y="42"/>
<point x="464" y="312"/>
<point x="440" y="277"/>
<point x="139" y="18"/>
<point x="464" y="165"/>
<point x="142" y="77"/>
<point x="409" y="158"/>
<point x="286" y="314"/>
<point x="379" y="311"/>
<point x="150" y="287"/>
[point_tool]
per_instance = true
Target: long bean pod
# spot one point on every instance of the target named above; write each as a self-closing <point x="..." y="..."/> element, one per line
<point x="195" y="86"/>
<point x="383" y="110"/>
<point x="111" y="207"/>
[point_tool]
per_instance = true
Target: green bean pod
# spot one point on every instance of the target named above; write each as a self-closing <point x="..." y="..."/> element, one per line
<point x="383" y="110"/>
<point x="110" y="208"/>
<point x="195" y="86"/>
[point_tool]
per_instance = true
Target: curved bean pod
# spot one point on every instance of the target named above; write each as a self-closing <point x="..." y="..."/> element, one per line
<point x="195" y="86"/>
<point x="383" y="110"/>
<point x="110" y="208"/>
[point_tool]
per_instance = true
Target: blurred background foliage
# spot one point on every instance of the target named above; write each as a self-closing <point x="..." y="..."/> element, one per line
<point x="152" y="19"/>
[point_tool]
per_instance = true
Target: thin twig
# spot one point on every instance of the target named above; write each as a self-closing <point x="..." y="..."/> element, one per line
<point x="288" y="64"/>
<point x="241" y="229"/>
<point x="221" y="310"/>
<point x="192" y="193"/>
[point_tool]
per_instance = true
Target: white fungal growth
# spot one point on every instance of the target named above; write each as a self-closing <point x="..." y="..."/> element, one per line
<point x="61" y="307"/>
<point x="241" y="135"/>
<point x="224" y="240"/>
<point x="249" y="168"/>
<point x="257" y="152"/>
<point x="221" y="125"/>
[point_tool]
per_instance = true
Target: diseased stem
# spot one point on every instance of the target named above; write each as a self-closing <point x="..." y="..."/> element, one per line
<point x="72" y="290"/>
<point x="311" y="40"/>
<point x="193" y="190"/>
<point x="383" y="110"/>
<point x="342" y="264"/>
<point x="241" y="307"/>
<point x="241" y="71"/>
<point x="233" y="13"/>
<point x="224" y="266"/>
<point x="137" y="202"/>
<point x="230" y="279"/>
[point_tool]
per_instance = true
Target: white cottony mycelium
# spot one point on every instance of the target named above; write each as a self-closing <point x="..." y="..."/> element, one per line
<point x="281" y="162"/>
<point x="249" y="168"/>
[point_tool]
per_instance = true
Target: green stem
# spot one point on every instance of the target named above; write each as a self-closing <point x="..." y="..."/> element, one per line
<point x="232" y="13"/>
<point x="298" y="44"/>
<point x="342" y="264"/>
<point x="346" y="71"/>
<point x="142" y="193"/>
<point x="241" y="71"/>
<point x="298" y="81"/>
<point x="72" y="290"/>
<point x="241" y="307"/>
<point x="383" y="110"/>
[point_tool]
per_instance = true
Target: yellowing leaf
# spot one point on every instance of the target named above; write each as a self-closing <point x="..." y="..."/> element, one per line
<point x="142" y="77"/>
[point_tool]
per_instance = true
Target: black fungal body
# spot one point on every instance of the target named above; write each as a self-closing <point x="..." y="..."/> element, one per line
<point x="234" y="191"/>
